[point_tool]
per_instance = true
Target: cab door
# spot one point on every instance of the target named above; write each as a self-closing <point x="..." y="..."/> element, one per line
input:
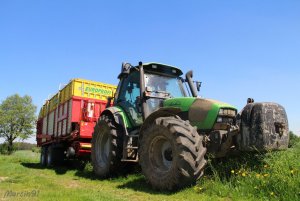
<point x="128" y="98"/>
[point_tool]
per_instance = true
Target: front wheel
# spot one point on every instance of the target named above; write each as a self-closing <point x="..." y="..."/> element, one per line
<point x="171" y="154"/>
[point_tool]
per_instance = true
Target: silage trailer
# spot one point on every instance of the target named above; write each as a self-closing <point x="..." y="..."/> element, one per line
<point x="66" y="121"/>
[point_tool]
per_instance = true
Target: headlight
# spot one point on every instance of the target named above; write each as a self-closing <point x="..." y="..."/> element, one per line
<point x="219" y="120"/>
<point x="221" y="112"/>
<point x="227" y="112"/>
<point x="226" y="120"/>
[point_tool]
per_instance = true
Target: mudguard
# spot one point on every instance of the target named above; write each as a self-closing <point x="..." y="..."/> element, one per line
<point x="263" y="126"/>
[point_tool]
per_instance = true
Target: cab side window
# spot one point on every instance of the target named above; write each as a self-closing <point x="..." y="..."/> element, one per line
<point x="129" y="91"/>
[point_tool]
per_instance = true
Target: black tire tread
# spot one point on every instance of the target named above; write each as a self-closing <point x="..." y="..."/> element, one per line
<point x="190" y="156"/>
<point x="116" y="148"/>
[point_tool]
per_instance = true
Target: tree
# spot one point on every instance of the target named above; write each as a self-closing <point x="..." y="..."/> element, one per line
<point x="294" y="139"/>
<point x="17" y="119"/>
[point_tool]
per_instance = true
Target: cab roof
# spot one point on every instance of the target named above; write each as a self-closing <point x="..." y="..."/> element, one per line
<point x="162" y="68"/>
<point x="153" y="67"/>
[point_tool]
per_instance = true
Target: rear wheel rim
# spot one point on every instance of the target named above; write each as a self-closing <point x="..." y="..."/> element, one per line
<point x="167" y="154"/>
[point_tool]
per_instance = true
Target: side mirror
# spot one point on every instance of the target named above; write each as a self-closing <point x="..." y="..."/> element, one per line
<point x="125" y="69"/>
<point x="198" y="85"/>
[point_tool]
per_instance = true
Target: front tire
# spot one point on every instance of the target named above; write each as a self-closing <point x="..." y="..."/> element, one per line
<point x="106" y="148"/>
<point x="171" y="154"/>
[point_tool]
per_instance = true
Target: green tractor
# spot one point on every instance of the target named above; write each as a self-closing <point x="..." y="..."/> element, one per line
<point x="158" y="120"/>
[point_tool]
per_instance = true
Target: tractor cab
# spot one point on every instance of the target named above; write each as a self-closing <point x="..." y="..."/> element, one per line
<point x="143" y="89"/>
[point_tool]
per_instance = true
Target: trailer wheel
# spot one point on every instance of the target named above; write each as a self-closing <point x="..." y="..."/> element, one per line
<point x="50" y="156"/>
<point x="43" y="157"/>
<point x="106" y="148"/>
<point x="55" y="155"/>
<point x="59" y="156"/>
<point x="171" y="154"/>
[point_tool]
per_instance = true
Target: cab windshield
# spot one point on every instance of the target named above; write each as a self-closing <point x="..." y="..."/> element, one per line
<point x="168" y="87"/>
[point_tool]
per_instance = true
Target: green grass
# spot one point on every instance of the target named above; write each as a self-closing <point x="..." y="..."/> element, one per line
<point x="255" y="176"/>
<point x="271" y="176"/>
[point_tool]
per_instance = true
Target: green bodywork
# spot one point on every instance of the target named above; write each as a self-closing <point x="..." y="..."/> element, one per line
<point x="183" y="103"/>
<point x="206" y="109"/>
<point x="201" y="113"/>
<point x="117" y="110"/>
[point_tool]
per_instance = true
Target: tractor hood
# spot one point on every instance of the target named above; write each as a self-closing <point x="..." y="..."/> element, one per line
<point x="200" y="112"/>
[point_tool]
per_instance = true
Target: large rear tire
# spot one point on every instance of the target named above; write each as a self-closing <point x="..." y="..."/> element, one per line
<point x="106" y="148"/>
<point x="171" y="154"/>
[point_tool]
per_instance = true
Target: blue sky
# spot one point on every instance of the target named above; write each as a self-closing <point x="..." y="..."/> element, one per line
<point x="238" y="49"/>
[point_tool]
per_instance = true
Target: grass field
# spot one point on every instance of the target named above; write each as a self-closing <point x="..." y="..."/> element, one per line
<point x="272" y="176"/>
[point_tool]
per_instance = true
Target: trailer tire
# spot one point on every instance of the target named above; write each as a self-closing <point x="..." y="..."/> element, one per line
<point x="171" y="154"/>
<point x="59" y="156"/>
<point x="50" y="156"/>
<point x="106" y="148"/>
<point x="43" y="156"/>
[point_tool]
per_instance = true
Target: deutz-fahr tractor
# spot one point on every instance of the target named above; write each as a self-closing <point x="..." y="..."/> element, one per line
<point x="157" y="119"/>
